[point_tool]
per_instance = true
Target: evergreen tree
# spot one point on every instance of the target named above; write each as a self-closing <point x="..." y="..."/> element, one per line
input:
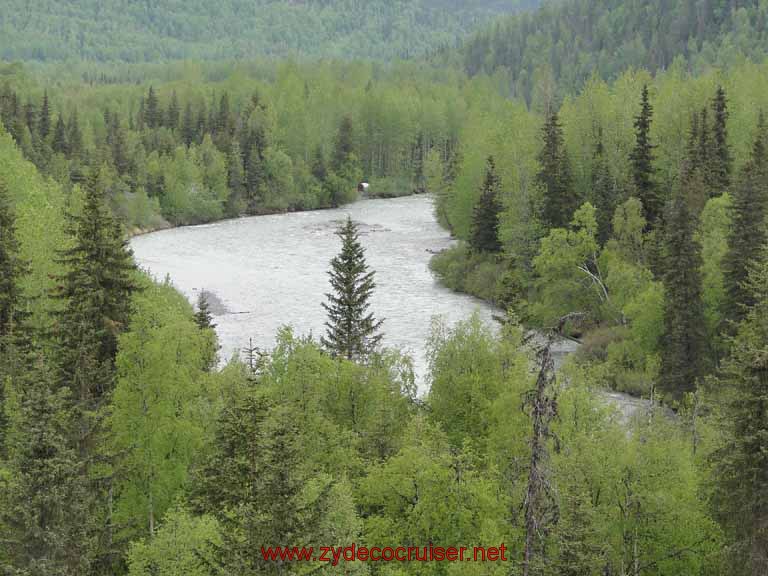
<point x="683" y="356"/>
<point x="12" y="269"/>
<point x="59" y="143"/>
<point x="235" y="180"/>
<point x="559" y="201"/>
<point x="604" y="193"/>
<point x="44" y="122"/>
<point x="203" y="316"/>
<point x="742" y="473"/>
<point x="188" y="126"/>
<point x="352" y="332"/>
<point x="254" y="180"/>
<point x="172" y="117"/>
<point x="152" y="116"/>
<point x="721" y="154"/>
<point x="252" y="482"/>
<point x="642" y="157"/>
<point x="74" y="135"/>
<point x="344" y="146"/>
<point x="12" y="315"/>
<point x="748" y="230"/>
<point x="119" y="146"/>
<point x="319" y="171"/>
<point x="485" y="220"/>
<point x="45" y="512"/>
<point x="96" y="293"/>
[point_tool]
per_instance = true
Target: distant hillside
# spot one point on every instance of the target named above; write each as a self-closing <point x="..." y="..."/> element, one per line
<point x="151" y="30"/>
<point x="564" y="42"/>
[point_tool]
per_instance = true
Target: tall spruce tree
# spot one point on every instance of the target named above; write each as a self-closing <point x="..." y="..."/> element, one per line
<point x="59" y="142"/>
<point x="722" y="162"/>
<point x="12" y="268"/>
<point x="44" y="122"/>
<point x="344" y="146"/>
<point x="642" y="157"/>
<point x="44" y="515"/>
<point x="12" y="313"/>
<point x="742" y="495"/>
<point x="174" y="112"/>
<point x="352" y="331"/>
<point x="560" y="201"/>
<point x="485" y="219"/>
<point x="683" y="356"/>
<point x="748" y="230"/>
<point x="152" y="116"/>
<point x="188" y="126"/>
<point x="235" y="180"/>
<point x="604" y="194"/>
<point x="203" y="316"/>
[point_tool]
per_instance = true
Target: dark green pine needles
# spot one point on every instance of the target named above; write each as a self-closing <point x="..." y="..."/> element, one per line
<point x="352" y="331"/>
<point x="485" y="219"/>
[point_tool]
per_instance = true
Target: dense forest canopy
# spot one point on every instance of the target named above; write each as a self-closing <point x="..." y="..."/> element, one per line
<point x="133" y="31"/>
<point x="557" y="48"/>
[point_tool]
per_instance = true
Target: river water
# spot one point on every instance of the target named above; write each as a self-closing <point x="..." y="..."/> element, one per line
<point x="269" y="271"/>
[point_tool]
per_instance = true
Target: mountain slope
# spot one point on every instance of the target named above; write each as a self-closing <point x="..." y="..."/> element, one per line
<point x="563" y="43"/>
<point x="136" y="31"/>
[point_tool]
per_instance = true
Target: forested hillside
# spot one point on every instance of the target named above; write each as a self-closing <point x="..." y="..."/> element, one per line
<point x="558" y="47"/>
<point x="133" y="31"/>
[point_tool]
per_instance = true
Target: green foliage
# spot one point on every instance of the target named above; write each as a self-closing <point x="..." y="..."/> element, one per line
<point x="485" y="216"/>
<point x="684" y="358"/>
<point x="353" y="332"/>
<point x="741" y="460"/>
<point x="341" y="28"/>
<point x="749" y="230"/>
<point x="183" y="544"/>
<point x="468" y="370"/>
<point x="160" y="407"/>
<point x="568" y="42"/>
<point x="554" y="177"/>
<point x="464" y="270"/>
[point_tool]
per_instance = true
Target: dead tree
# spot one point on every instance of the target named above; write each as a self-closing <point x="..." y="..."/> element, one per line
<point x="541" y="510"/>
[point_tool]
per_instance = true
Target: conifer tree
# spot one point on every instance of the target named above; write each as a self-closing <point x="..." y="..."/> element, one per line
<point x="319" y="171"/>
<point x="254" y="179"/>
<point x="172" y="117"/>
<point x="188" y="126"/>
<point x="12" y="316"/>
<point x="96" y="292"/>
<point x="683" y="357"/>
<point x="485" y="218"/>
<point x="59" y="143"/>
<point x="74" y="135"/>
<point x="748" y="230"/>
<point x="603" y="192"/>
<point x="152" y="116"/>
<point x="560" y="201"/>
<point x="203" y="316"/>
<point x="743" y="460"/>
<point x="721" y="154"/>
<point x="45" y="514"/>
<point x="44" y="122"/>
<point x="352" y="331"/>
<point x="12" y="268"/>
<point x="235" y="180"/>
<point x="344" y="146"/>
<point x="642" y="158"/>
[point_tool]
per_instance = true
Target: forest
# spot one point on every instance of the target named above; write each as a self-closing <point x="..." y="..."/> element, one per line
<point x="601" y="186"/>
<point x="124" y="31"/>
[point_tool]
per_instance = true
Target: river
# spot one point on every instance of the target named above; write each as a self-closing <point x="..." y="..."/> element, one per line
<point x="268" y="271"/>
